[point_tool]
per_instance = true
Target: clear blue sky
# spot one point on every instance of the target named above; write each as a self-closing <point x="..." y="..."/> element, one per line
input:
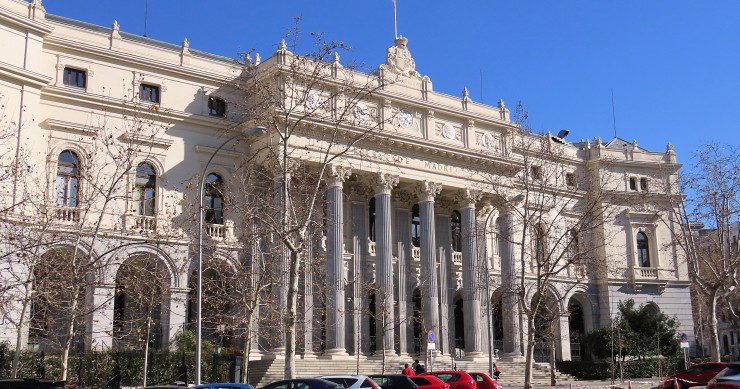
<point x="674" y="65"/>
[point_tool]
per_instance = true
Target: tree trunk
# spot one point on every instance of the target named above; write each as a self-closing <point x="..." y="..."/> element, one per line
<point x="529" y="359"/>
<point x="714" y="352"/>
<point x="17" y="356"/>
<point x="553" y="381"/>
<point x="247" y="347"/>
<point x="290" y="317"/>
<point x="146" y="345"/>
<point x="70" y="333"/>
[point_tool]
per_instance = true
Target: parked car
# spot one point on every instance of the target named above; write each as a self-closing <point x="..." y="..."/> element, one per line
<point x="456" y="378"/>
<point x="729" y="378"/>
<point x="303" y="383"/>
<point x="29" y="383"/>
<point x="484" y="381"/>
<point x="226" y="385"/>
<point x="429" y="382"/>
<point x="697" y="375"/>
<point x="393" y="381"/>
<point x="351" y="381"/>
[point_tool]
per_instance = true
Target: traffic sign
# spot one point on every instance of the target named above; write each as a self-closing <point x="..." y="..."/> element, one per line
<point x="431" y="338"/>
<point x="684" y="337"/>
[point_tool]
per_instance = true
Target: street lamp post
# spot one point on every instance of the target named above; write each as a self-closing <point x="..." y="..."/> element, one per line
<point x="250" y="132"/>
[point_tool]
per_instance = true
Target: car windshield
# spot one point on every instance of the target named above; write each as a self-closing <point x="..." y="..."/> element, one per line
<point x="346" y="382"/>
<point x="447" y="377"/>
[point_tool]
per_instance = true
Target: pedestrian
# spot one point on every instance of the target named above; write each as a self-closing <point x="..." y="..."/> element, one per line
<point x="408" y="371"/>
<point x="496" y="372"/>
<point x="418" y="367"/>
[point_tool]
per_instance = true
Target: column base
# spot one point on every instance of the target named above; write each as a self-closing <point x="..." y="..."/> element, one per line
<point x="381" y="353"/>
<point x="276" y="353"/>
<point x="309" y="355"/>
<point x="513" y="357"/>
<point x="337" y="354"/>
<point x="475" y="356"/>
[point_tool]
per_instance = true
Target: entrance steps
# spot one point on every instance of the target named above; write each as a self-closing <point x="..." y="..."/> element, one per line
<point x="264" y="371"/>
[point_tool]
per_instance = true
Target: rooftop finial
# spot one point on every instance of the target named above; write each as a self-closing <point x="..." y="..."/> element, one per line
<point x="283" y="46"/>
<point x="466" y="94"/>
<point x="501" y="104"/>
<point x="257" y="58"/>
<point x="116" y="27"/>
<point x="185" y="43"/>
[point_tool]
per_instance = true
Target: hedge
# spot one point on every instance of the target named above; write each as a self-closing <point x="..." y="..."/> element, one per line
<point x="641" y="368"/>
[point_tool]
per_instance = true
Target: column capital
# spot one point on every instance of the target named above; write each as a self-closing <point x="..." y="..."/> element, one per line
<point x="427" y="190"/>
<point x="467" y="198"/>
<point x="383" y="182"/>
<point x="337" y="174"/>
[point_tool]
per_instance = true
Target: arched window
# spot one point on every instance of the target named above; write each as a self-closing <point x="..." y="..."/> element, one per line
<point x="415" y="226"/>
<point x="371" y="219"/>
<point x="214" y="199"/>
<point x="643" y="250"/>
<point x="145" y="192"/>
<point x="456" y="231"/>
<point x="68" y="179"/>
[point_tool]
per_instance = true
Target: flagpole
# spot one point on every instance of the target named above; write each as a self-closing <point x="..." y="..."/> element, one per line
<point x="395" y="24"/>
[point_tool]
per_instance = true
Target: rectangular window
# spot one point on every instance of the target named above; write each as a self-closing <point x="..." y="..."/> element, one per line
<point x="75" y="78"/>
<point x="149" y="93"/>
<point x="644" y="184"/>
<point x="633" y="183"/>
<point x="536" y="172"/>
<point x="216" y="107"/>
<point x="570" y="180"/>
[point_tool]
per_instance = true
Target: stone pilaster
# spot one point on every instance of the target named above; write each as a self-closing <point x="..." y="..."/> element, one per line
<point x="178" y="314"/>
<point x="100" y="328"/>
<point x="430" y="289"/>
<point x="281" y="263"/>
<point x="384" y="310"/>
<point x="335" y="319"/>
<point x="471" y="269"/>
<point x="562" y="342"/>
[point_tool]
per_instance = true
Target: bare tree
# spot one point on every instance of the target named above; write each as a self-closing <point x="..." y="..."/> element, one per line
<point x="711" y="185"/>
<point x="556" y="205"/>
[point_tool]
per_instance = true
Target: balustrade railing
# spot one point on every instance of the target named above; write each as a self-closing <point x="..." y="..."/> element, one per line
<point x="67" y="214"/>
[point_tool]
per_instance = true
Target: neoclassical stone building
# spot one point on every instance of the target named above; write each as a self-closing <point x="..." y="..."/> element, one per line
<point x="432" y="218"/>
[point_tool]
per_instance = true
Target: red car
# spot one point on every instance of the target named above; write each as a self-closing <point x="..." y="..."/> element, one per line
<point x="429" y="382"/>
<point x="697" y="375"/>
<point x="484" y="381"/>
<point x="455" y="378"/>
<point x="728" y="378"/>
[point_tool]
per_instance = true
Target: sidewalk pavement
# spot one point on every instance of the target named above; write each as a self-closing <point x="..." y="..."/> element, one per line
<point x="637" y="383"/>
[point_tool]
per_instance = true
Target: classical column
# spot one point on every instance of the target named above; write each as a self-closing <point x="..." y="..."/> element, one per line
<point x="509" y="300"/>
<point x="471" y="272"/>
<point x="359" y="303"/>
<point x="384" y="317"/>
<point x="405" y="322"/>
<point x="335" y="261"/>
<point x="281" y="263"/>
<point x="101" y="326"/>
<point x="308" y="304"/>
<point x="430" y="288"/>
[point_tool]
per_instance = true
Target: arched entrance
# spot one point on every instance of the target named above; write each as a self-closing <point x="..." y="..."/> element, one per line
<point x="138" y="307"/>
<point x="546" y="320"/>
<point x="54" y="290"/>
<point x="576" y="329"/>
<point x="217" y="324"/>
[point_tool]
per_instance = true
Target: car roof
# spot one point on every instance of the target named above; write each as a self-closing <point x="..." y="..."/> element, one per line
<point x="341" y="376"/>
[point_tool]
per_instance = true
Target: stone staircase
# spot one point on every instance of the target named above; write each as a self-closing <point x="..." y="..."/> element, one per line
<point x="262" y="372"/>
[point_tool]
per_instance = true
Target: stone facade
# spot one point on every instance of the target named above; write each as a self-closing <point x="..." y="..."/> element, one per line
<point x="449" y="166"/>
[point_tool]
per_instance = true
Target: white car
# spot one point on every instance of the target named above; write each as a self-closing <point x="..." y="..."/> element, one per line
<point x="351" y="381"/>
